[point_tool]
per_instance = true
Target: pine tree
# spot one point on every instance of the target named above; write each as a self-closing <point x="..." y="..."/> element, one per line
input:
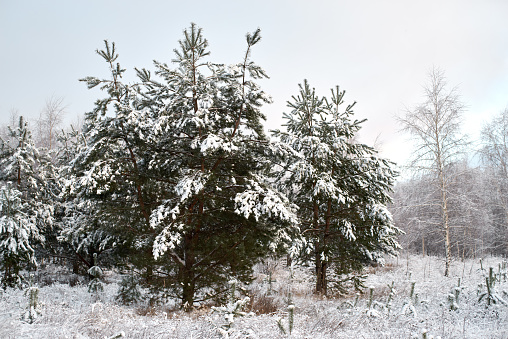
<point x="32" y="177"/>
<point x="16" y="229"/>
<point x="340" y="186"/>
<point x="81" y="232"/>
<point x="178" y="169"/>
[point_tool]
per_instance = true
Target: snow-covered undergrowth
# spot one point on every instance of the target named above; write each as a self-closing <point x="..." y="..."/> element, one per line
<point x="404" y="299"/>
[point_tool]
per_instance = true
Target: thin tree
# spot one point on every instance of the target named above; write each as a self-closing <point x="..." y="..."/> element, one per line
<point x="49" y="120"/>
<point x="435" y="128"/>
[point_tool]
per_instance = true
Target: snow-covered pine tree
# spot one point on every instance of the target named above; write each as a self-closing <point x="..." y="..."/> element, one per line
<point x="340" y="186"/>
<point x="180" y="165"/>
<point x="16" y="230"/>
<point x="111" y="181"/>
<point x="81" y="233"/>
<point x="31" y="174"/>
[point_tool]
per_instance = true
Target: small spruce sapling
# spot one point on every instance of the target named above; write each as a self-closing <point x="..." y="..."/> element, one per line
<point x="453" y="297"/>
<point x="409" y="306"/>
<point x="290" y="307"/>
<point x="33" y="311"/>
<point x="490" y="294"/>
<point x="233" y="309"/>
<point x="95" y="286"/>
<point x="128" y="292"/>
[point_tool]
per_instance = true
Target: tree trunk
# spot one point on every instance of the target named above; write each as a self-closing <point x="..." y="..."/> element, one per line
<point x="423" y="246"/>
<point x="188" y="274"/>
<point x="189" y="288"/>
<point x="446" y="226"/>
<point x="321" y="283"/>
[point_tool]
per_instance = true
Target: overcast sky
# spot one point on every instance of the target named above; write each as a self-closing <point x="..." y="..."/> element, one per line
<point x="380" y="52"/>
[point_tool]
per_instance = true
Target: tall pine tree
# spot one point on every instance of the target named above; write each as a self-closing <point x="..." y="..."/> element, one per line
<point x="180" y="165"/>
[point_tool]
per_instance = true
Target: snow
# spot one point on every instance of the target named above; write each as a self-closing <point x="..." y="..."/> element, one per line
<point x="257" y="201"/>
<point x="72" y="312"/>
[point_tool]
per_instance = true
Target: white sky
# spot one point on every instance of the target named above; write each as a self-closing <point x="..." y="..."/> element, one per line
<point x="380" y="52"/>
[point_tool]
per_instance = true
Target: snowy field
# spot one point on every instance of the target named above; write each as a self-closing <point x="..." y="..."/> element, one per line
<point x="438" y="307"/>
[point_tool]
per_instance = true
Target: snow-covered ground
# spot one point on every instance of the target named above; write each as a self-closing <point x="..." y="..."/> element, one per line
<point x="71" y="312"/>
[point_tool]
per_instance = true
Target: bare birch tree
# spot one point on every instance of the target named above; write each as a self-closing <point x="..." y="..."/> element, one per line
<point x="12" y="122"/>
<point x="49" y="120"/>
<point x="435" y="128"/>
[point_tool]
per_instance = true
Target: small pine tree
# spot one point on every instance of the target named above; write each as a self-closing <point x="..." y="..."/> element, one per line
<point x="128" y="292"/>
<point x="409" y="306"/>
<point x="490" y="295"/>
<point x="27" y="201"/>
<point x="290" y="321"/>
<point x="95" y="285"/>
<point x="391" y="295"/>
<point x="453" y="297"/>
<point x="234" y="308"/>
<point x="33" y="310"/>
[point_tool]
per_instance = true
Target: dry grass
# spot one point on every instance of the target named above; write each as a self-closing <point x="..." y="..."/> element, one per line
<point x="73" y="313"/>
<point x="264" y="304"/>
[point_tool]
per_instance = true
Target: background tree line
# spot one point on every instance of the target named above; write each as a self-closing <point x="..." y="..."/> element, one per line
<point x="455" y="202"/>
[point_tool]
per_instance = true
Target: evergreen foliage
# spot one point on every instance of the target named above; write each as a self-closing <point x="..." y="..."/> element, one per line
<point x="340" y="186"/>
<point x="16" y="229"/>
<point x="95" y="285"/>
<point x="33" y="310"/>
<point x="490" y="295"/>
<point x="128" y="292"/>
<point x="233" y="308"/>
<point x="82" y="232"/>
<point x="26" y="201"/>
<point x="177" y="166"/>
